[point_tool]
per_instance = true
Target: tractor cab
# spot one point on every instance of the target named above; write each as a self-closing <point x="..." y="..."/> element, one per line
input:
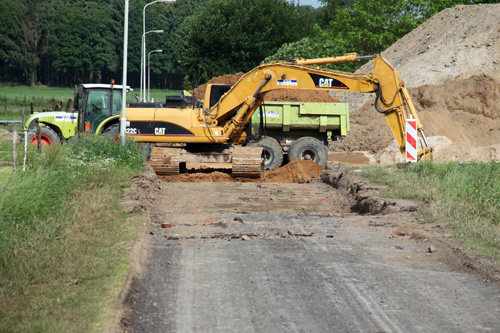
<point x="95" y="103"/>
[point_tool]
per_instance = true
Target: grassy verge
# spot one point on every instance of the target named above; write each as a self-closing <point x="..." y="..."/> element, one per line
<point x="64" y="240"/>
<point x="465" y="196"/>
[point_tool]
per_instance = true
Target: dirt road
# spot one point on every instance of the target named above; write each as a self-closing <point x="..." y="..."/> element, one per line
<point x="250" y="257"/>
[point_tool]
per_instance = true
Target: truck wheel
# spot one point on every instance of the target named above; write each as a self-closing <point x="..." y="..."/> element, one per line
<point x="308" y="148"/>
<point x="48" y="136"/>
<point x="273" y="154"/>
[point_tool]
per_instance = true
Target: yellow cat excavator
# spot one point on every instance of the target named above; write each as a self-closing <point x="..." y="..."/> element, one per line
<point x="195" y="133"/>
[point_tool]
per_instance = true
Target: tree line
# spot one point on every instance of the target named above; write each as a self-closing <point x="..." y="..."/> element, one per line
<point x="66" y="42"/>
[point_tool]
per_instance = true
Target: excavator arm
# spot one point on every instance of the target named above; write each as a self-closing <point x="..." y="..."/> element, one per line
<point x="236" y="107"/>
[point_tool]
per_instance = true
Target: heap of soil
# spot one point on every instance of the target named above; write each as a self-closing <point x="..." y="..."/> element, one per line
<point x="464" y="110"/>
<point x="454" y="44"/>
<point x="294" y="172"/>
<point x="451" y="64"/>
<point x="282" y="95"/>
<point x="140" y="196"/>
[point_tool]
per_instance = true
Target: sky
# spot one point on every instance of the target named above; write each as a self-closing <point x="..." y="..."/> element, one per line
<point x="314" y="3"/>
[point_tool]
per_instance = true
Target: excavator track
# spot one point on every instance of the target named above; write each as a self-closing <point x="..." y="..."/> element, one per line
<point x="244" y="161"/>
<point x="165" y="161"/>
<point x="247" y="162"/>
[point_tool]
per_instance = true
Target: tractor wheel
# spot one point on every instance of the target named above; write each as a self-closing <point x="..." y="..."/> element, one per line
<point x="309" y="148"/>
<point x="48" y="136"/>
<point x="113" y="133"/>
<point x="273" y="153"/>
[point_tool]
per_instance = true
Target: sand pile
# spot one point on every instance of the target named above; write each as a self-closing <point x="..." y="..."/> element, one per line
<point x="455" y="43"/>
<point x="451" y="64"/>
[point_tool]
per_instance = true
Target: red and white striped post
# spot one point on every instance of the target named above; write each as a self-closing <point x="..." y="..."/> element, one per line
<point x="411" y="140"/>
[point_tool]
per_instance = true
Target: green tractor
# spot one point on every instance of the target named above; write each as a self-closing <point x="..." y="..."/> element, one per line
<point x="96" y="110"/>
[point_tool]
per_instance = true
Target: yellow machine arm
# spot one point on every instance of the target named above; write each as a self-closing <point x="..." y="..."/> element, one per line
<point x="392" y="98"/>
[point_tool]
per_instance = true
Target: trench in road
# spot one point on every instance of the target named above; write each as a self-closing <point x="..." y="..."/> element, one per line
<point x="310" y="265"/>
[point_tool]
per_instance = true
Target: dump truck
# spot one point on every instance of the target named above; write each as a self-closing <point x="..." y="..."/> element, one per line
<point x="282" y="123"/>
<point x="218" y="134"/>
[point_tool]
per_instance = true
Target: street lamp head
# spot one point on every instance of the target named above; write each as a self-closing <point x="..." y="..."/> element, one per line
<point x="155" y="51"/>
<point x="154" y="31"/>
<point x="149" y="66"/>
<point x="157" y="1"/>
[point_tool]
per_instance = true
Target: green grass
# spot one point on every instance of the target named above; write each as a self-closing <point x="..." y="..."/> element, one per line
<point x="64" y="240"/>
<point x="159" y="94"/>
<point x="464" y="196"/>
<point x="5" y="173"/>
<point x="19" y="98"/>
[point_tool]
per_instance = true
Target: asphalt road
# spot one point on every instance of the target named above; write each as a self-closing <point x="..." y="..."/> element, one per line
<point x="308" y="265"/>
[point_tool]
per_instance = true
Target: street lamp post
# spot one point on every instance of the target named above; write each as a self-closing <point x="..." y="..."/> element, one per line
<point x="143" y="78"/>
<point x="123" y="118"/>
<point x="142" y="93"/>
<point x="143" y="69"/>
<point x="149" y="71"/>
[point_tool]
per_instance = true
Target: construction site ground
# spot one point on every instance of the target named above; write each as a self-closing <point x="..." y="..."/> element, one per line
<point x="311" y="250"/>
<point x="299" y="256"/>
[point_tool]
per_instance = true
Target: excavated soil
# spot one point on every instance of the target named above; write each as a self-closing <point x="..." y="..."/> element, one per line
<point x="294" y="172"/>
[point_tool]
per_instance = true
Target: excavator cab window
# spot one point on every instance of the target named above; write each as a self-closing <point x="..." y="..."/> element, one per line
<point x="217" y="90"/>
<point x="213" y="93"/>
